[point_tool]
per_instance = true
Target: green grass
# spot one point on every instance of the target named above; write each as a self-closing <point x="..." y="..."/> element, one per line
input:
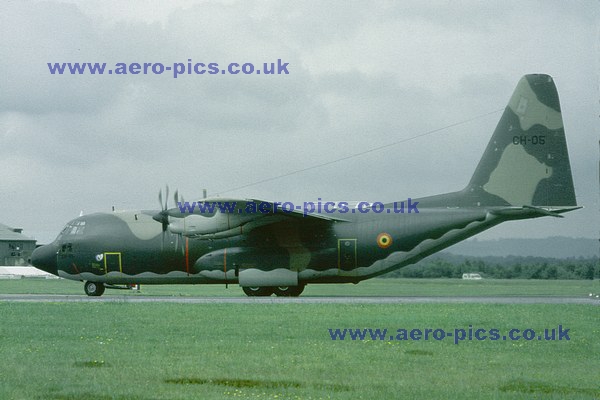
<point x="372" y="287"/>
<point x="268" y="351"/>
<point x="61" y="351"/>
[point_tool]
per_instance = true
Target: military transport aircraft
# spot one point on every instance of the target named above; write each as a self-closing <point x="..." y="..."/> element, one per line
<point x="265" y="248"/>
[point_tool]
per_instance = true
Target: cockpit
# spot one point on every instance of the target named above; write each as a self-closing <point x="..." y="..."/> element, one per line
<point x="73" y="228"/>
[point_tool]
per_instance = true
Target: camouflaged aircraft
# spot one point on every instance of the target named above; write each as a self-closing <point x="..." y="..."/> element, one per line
<point x="523" y="173"/>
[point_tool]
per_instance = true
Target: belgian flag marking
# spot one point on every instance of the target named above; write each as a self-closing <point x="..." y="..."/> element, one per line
<point x="384" y="240"/>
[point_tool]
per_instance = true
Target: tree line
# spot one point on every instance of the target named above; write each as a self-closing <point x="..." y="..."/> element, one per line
<point x="512" y="267"/>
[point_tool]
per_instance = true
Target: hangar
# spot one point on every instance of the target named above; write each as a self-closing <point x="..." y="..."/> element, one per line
<point x="15" y="248"/>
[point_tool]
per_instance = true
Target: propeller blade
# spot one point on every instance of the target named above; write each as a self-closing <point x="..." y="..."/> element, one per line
<point x="166" y="199"/>
<point x="163" y="215"/>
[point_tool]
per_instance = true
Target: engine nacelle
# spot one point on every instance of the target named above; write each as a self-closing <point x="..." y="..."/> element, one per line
<point x="194" y="224"/>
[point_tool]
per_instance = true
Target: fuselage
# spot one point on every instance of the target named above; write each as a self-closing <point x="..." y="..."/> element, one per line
<point x="129" y="247"/>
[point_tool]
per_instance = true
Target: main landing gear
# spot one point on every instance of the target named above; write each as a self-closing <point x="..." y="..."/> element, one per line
<point x="93" y="288"/>
<point x="282" y="291"/>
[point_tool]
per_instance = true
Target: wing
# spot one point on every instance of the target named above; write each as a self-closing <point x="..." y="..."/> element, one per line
<point x="226" y="217"/>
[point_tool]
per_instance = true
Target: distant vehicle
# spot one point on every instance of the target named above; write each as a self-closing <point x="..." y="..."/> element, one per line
<point x="472" y="276"/>
<point x="524" y="173"/>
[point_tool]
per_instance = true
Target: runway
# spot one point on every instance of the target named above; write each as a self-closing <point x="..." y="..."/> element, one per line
<point x="57" y="298"/>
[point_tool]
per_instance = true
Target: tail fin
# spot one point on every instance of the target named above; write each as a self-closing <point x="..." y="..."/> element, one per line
<point x="526" y="162"/>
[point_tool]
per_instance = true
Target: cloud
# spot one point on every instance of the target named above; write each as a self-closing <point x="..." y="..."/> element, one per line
<point x="360" y="77"/>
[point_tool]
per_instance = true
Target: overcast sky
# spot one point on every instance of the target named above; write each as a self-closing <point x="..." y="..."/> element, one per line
<point x="360" y="75"/>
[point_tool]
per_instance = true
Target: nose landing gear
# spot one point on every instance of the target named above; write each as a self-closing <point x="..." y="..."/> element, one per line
<point x="94" y="288"/>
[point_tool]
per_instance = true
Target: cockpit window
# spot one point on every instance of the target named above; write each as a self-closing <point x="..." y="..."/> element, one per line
<point x="73" y="228"/>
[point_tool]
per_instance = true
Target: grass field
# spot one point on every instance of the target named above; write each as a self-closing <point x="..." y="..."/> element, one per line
<point x="284" y="351"/>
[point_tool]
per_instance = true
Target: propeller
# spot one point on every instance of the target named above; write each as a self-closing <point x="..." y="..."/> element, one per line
<point x="163" y="215"/>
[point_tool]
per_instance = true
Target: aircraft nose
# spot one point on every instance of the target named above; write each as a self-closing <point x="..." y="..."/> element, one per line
<point x="44" y="258"/>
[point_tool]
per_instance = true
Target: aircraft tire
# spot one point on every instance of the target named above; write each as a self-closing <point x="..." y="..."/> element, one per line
<point x="254" y="291"/>
<point x="94" y="288"/>
<point x="288" y="291"/>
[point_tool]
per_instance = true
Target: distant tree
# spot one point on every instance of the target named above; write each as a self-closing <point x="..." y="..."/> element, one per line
<point x="551" y="272"/>
<point x="537" y="272"/>
<point x="590" y="272"/>
<point x="517" y="269"/>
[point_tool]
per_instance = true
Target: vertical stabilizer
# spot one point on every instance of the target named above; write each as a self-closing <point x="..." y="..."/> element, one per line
<point x="526" y="162"/>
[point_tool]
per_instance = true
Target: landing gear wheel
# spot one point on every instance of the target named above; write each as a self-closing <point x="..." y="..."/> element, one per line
<point x="288" y="291"/>
<point x="94" y="288"/>
<point x="254" y="291"/>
